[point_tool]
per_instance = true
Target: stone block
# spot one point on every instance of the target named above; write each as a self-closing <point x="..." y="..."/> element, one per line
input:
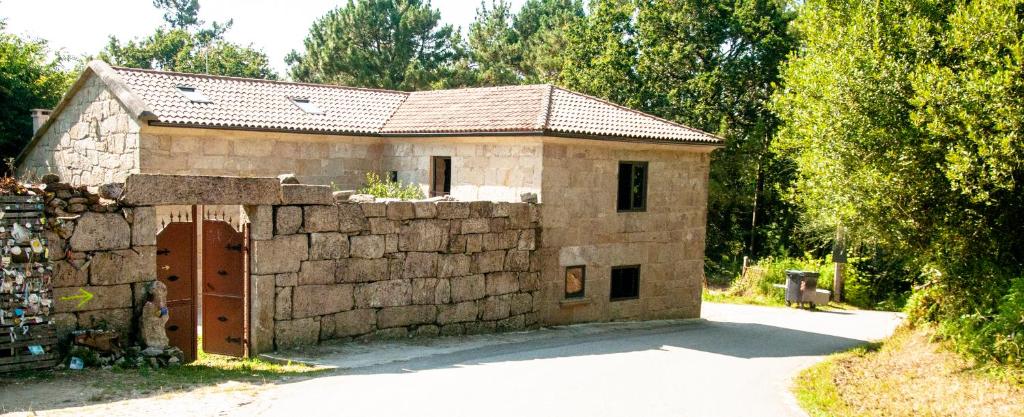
<point x="349" y="323"/>
<point x="280" y="254"/>
<point x="362" y="270"/>
<point x="297" y="333"/>
<point x="502" y="283"/>
<point x="261" y="221"/>
<point x="454" y="329"/>
<point x="162" y="190"/>
<point x="320" y="218"/>
<point x="287" y="220"/>
<point x="478" y="327"/>
<point x="474" y="243"/>
<point x="527" y="240"/>
<point x="101" y="231"/>
<point x="425" y="209"/>
<point x="481" y="209"/>
<point x="366" y="247"/>
<point x="454" y="265"/>
<point x="529" y="281"/>
<point x="511" y="323"/>
<point x="425" y="291"/>
<point x="103" y="298"/>
<point x="457" y="313"/>
<point x="400" y="210"/>
<point x="476" y="225"/>
<point x="144" y="226"/>
<point x="519" y="216"/>
<point x="457" y="243"/>
<point x="119" y="319"/>
<point x="425" y="330"/>
<point x="318" y="300"/>
<point x="452" y="209"/>
<point x="283" y="304"/>
<point x="495" y="307"/>
<point x="351" y="218"/>
<point x="521" y="303"/>
<point x="289" y="279"/>
<point x="491" y="261"/>
<point x="391" y="243"/>
<point x="499" y="241"/>
<point x="391" y="293"/>
<point x="296" y="194"/>
<point x="419" y="265"/>
<point x="498" y="225"/>
<point x="405" y="316"/>
<point x="123" y="266"/>
<point x="67" y="275"/>
<point x="424" y="236"/>
<point x="517" y="260"/>
<point x="374" y="209"/>
<point x="388" y="334"/>
<point x="262" y="311"/>
<point x="383" y="226"/>
<point x="316" y="272"/>
<point x="468" y="288"/>
<point x="328" y="245"/>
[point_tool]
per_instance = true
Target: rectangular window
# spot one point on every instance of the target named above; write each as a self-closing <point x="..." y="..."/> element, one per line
<point x="392" y="176"/>
<point x="192" y="94"/>
<point x="306" y="105"/>
<point x="632" y="186"/>
<point x="442" y="181"/>
<point x="625" y="282"/>
<point x="575" y="281"/>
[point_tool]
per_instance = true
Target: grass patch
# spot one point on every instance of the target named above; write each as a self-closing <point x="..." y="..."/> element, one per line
<point x="909" y="375"/>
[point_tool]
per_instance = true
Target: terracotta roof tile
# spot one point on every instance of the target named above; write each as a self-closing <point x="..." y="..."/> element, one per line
<point x="260" y="104"/>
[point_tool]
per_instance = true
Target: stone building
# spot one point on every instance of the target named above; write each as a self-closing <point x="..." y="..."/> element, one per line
<point x="622" y="195"/>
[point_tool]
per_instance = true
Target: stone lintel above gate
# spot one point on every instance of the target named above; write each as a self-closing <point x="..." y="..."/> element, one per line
<point x="160" y="189"/>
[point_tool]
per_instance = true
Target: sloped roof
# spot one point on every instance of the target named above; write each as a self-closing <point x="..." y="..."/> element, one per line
<point x="241" y="103"/>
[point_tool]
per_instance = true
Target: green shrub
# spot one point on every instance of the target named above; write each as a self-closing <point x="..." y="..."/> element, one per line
<point x="387" y="189"/>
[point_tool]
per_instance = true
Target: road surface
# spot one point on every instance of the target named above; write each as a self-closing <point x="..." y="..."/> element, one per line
<point x="736" y="361"/>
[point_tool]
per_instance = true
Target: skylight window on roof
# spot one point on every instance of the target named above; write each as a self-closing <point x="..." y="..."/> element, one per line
<point x="306" y="105"/>
<point x="193" y="95"/>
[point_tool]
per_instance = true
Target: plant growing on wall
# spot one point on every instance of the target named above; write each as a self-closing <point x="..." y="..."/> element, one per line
<point x="381" y="188"/>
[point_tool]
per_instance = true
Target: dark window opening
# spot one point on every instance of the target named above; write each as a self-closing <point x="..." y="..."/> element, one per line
<point x="625" y="282"/>
<point x="442" y="181"/>
<point x="632" y="186"/>
<point x="392" y="176"/>
<point x="575" y="281"/>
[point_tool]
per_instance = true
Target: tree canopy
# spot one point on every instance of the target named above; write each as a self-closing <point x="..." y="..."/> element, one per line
<point x="904" y="118"/>
<point x="29" y="79"/>
<point x="393" y="44"/>
<point x="185" y="46"/>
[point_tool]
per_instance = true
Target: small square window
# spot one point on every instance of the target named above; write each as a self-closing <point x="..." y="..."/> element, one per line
<point x="193" y="95"/>
<point x="392" y="176"/>
<point x="575" y="281"/>
<point x="632" y="186"/>
<point x="625" y="282"/>
<point x="306" y="105"/>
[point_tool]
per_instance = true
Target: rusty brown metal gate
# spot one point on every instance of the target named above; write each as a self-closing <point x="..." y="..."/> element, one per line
<point x="223" y="290"/>
<point x="176" y="268"/>
<point x="225" y="286"/>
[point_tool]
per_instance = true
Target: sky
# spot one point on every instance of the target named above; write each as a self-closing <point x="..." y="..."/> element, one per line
<point x="82" y="27"/>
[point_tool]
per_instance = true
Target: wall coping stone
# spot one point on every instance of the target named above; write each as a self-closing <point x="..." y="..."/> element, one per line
<point x="161" y="189"/>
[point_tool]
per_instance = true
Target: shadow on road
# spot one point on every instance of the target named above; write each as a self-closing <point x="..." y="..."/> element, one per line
<point x="741" y="340"/>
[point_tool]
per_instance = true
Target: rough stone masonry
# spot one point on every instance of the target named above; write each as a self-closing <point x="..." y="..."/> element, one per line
<point x="394" y="269"/>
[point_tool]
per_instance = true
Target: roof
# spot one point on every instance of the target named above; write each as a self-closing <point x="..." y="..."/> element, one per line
<point x="241" y="103"/>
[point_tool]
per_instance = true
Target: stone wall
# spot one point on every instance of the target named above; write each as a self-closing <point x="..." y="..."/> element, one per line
<point x="93" y="141"/>
<point x="395" y="269"/>
<point x="582" y="227"/>
<point x="314" y="159"/>
<point x="103" y="249"/>
<point x="483" y="168"/>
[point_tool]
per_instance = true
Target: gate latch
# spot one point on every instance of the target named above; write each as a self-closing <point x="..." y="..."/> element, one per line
<point x="236" y="247"/>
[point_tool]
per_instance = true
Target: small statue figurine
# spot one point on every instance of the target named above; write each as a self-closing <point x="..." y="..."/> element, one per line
<point x="154" y="317"/>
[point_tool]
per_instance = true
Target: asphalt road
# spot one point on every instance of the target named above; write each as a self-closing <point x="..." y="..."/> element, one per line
<point x="736" y="361"/>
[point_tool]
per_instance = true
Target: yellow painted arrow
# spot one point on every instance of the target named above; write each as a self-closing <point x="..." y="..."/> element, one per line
<point x="83" y="297"/>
